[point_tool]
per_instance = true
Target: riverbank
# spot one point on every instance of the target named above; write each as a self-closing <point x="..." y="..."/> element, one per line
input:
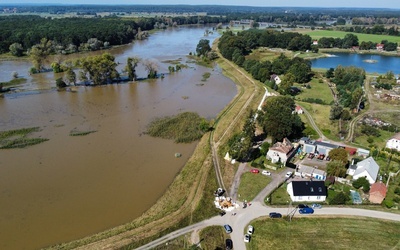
<point x="366" y="52"/>
<point x="187" y="199"/>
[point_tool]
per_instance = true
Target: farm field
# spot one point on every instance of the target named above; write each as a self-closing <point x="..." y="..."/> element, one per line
<point x="317" y="34"/>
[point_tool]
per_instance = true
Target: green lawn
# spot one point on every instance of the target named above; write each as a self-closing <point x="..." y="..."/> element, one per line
<point x="380" y="142"/>
<point x="317" y="91"/>
<point x="317" y="34"/>
<point x="325" y="233"/>
<point x="320" y="114"/>
<point x="279" y="197"/>
<point x="213" y="238"/>
<point x="251" y="184"/>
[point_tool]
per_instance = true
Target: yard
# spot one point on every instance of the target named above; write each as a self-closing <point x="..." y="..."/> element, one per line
<point x="251" y="184"/>
<point x="325" y="233"/>
<point x="317" y="91"/>
<point x="320" y="114"/>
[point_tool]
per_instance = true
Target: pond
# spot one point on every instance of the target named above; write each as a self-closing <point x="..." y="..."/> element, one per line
<point x="72" y="186"/>
<point x="371" y="63"/>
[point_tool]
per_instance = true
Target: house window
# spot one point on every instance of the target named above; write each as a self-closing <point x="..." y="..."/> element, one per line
<point x="300" y="198"/>
<point x="318" y="197"/>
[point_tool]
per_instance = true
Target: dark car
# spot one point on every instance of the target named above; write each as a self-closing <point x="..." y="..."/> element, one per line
<point x="275" y="215"/>
<point x="306" y="210"/>
<point x="228" y="244"/>
<point x="228" y="229"/>
<point x="222" y="213"/>
<point x="302" y="206"/>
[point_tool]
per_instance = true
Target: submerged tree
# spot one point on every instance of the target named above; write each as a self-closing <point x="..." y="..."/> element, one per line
<point x="130" y="67"/>
<point x="151" y="68"/>
<point x="100" y="69"/>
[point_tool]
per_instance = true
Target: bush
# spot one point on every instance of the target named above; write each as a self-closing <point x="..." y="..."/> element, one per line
<point x="370" y="140"/>
<point x="397" y="191"/>
<point x="396" y="199"/>
<point x="388" y="203"/>
<point x="361" y="182"/>
<point x="340" y="199"/>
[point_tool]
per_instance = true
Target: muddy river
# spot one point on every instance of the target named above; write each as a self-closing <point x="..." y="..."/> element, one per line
<point x="73" y="186"/>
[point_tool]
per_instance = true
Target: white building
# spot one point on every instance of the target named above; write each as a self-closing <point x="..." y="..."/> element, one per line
<point x="310" y="172"/>
<point x="280" y="151"/>
<point x="366" y="168"/>
<point x="394" y="142"/>
<point x="307" y="191"/>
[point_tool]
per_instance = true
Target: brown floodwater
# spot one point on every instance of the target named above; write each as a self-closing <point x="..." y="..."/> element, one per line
<point x="73" y="186"/>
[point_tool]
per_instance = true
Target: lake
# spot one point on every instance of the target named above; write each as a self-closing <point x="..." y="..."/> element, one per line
<point x="382" y="65"/>
<point x="73" y="186"/>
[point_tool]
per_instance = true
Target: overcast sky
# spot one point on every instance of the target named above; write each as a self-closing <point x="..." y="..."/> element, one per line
<point x="293" y="3"/>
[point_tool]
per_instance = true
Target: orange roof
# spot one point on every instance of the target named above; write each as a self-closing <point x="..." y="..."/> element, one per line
<point x="378" y="187"/>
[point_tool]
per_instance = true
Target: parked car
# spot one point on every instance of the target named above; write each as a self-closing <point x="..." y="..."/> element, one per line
<point x="246" y="238"/>
<point x="328" y="158"/>
<point x="321" y="157"/>
<point x="316" y="206"/>
<point x="228" y="229"/>
<point x="265" y="172"/>
<point x="302" y="206"/>
<point x="288" y="174"/>
<point x="250" y="229"/>
<point x="311" y="155"/>
<point x="275" y="215"/>
<point x="228" y="244"/>
<point x="302" y="156"/>
<point x="306" y="210"/>
<point x="255" y="171"/>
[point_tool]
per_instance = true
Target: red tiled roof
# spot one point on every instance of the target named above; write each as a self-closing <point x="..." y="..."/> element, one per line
<point x="378" y="188"/>
<point x="396" y="136"/>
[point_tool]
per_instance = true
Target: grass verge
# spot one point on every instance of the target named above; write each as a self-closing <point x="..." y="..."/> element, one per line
<point x="212" y="238"/>
<point x="325" y="233"/>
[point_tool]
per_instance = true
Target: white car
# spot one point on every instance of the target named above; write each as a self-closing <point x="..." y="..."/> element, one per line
<point x="246" y="238"/>
<point x="288" y="174"/>
<point x="250" y="229"/>
<point x="265" y="172"/>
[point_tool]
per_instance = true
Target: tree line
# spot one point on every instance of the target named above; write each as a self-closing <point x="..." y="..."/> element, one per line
<point x="351" y="40"/>
<point x="237" y="47"/>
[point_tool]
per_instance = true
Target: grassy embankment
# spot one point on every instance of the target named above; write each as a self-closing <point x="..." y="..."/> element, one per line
<point x="18" y="138"/>
<point x="189" y="197"/>
<point x="325" y="233"/>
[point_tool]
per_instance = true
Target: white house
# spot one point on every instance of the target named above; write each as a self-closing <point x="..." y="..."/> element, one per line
<point x="307" y="191"/>
<point x="394" y="142"/>
<point x="366" y="168"/>
<point x="310" y="172"/>
<point x="280" y="151"/>
<point x="276" y="78"/>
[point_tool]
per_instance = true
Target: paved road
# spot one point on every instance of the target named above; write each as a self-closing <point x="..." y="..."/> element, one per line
<point x="245" y="215"/>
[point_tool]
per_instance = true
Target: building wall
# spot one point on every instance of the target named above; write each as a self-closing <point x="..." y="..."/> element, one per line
<point x="393" y="144"/>
<point x="309" y="148"/>
<point x="366" y="174"/>
<point x="272" y="153"/>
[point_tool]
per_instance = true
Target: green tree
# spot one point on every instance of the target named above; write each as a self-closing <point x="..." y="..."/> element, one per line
<point x="339" y="154"/>
<point x="203" y="47"/>
<point x="336" y="111"/>
<point x="60" y="83"/>
<point x="151" y="68"/>
<point x="16" y="49"/>
<point x="56" y="67"/>
<point x="130" y="67"/>
<point x="340" y="199"/>
<point x="100" y="69"/>
<point x="278" y="120"/>
<point x="70" y="76"/>
<point x="360" y="182"/>
<point x="330" y="73"/>
<point x="336" y="168"/>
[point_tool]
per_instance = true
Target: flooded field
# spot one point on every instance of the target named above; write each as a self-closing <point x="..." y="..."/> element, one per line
<point x="73" y="186"/>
